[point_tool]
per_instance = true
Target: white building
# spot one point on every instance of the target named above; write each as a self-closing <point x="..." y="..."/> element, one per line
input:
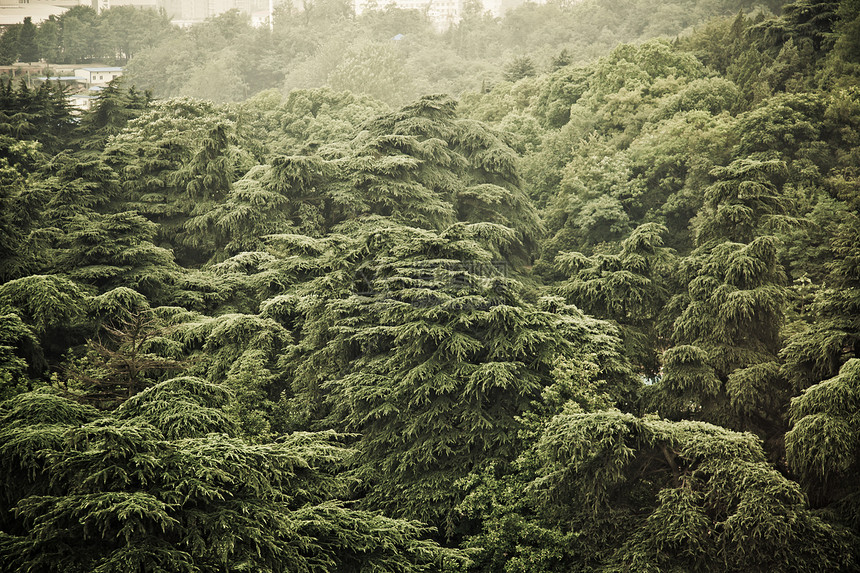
<point x="96" y="76"/>
<point x="102" y="5"/>
<point x="84" y="100"/>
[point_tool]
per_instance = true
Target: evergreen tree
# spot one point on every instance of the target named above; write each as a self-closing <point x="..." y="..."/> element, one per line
<point x="9" y="47"/>
<point x="54" y="309"/>
<point x="519" y="68"/>
<point x="628" y="288"/>
<point x="614" y="492"/>
<point x="113" y="109"/>
<point x="830" y="334"/>
<point x="164" y="483"/>
<point x="414" y="340"/>
<point x="155" y="159"/>
<point x="125" y="357"/>
<point x="822" y="445"/>
<point x="109" y="251"/>
<point x="49" y="40"/>
<point x="724" y="368"/>
<point x="420" y="166"/>
<point x="28" y="49"/>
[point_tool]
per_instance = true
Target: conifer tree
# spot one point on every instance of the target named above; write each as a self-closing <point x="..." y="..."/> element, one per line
<point x="162" y="152"/>
<point x="28" y="49"/>
<point x="823" y="443"/>
<point x="54" y="308"/>
<point x="20" y="354"/>
<point x="9" y="45"/>
<point x="420" y="166"/>
<point x="830" y="335"/>
<point x="164" y="483"/>
<point x="125" y="356"/>
<point x="109" y="251"/>
<point x="821" y="359"/>
<point x="628" y="288"/>
<point x="614" y="492"/>
<point x="724" y="368"/>
<point x="415" y="340"/>
<point x="112" y="111"/>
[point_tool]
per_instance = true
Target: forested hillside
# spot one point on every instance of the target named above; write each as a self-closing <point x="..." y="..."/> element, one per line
<point x="596" y="314"/>
<point x="391" y="54"/>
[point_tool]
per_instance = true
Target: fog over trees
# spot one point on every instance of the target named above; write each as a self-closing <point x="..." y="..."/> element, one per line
<point x="573" y="289"/>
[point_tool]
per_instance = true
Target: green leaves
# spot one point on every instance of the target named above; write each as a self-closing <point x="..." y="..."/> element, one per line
<point x="708" y="492"/>
<point x="628" y="288"/>
<point x="148" y="487"/>
<point x="429" y="349"/>
<point x="45" y="300"/>
<point x="822" y="445"/>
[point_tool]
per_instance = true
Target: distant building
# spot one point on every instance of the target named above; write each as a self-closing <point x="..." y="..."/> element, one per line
<point x="34" y="3"/>
<point x="84" y="100"/>
<point x="102" y="5"/>
<point x="442" y="13"/>
<point x="12" y="12"/>
<point x="86" y="83"/>
<point x="187" y="12"/>
<point x="96" y="76"/>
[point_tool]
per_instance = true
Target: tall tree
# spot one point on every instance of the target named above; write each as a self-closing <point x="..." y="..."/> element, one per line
<point x="28" y="49"/>
<point x="629" y="288"/>
<point x="9" y="48"/>
<point x="609" y="491"/>
<point x="416" y="341"/>
<point x="725" y="368"/>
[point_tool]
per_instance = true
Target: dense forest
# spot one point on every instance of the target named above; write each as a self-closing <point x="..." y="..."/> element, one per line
<point x="598" y="310"/>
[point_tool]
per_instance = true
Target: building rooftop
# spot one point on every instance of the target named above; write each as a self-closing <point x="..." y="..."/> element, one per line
<point x="61" y="78"/>
<point x="37" y="12"/>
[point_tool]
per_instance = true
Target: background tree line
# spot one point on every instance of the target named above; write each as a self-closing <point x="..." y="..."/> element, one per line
<point x="598" y="317"/>
<point x="324" y="43"/>
<point x="81" y="36"/>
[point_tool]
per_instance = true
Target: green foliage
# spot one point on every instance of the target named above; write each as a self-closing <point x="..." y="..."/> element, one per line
<point x="9" y="45"/>
<point x="629" y="288"/>
<point x="612" y="492"/>
<point x="109" y="251"/>
<point x="724" y="368"/>
<point x="40" y="114"/>
<point x="113" y="109"/>
<point x="28" y="49"/>
<point x="375" y="69"/>
<point x="45" y="301"/>
<point x="426" y="346"/>
<point x="519" y="68"/>
<point x="151" y="487"/>
<point x="822" y="444"/>
<point x="123" y="362"/>
<point x="829" y="336"/>
<point x="304" y="120"/>
<point x="744" y="202"/>
<point x="80" y="35"/>
<point x="389" y="53"/>
<point x="20" y="352"/>
<point x="421" y="166"/>
<point x="316" y="263"/>
<point x="239" y="350"/>
<point x="175" y="153"/>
